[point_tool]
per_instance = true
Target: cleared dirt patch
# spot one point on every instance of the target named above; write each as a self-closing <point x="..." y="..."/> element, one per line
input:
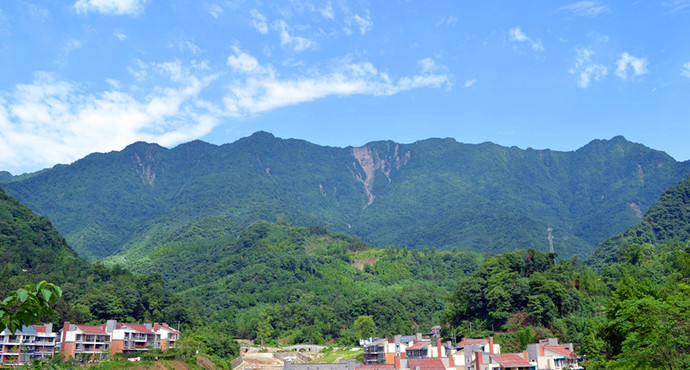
<point x="360" y="262"/>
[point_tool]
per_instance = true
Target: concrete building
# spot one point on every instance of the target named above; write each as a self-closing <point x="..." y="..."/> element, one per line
<point x="28" y="344"/>
<point x="548" y="354"/>
<point x="97" y="342"/>
<point x="89" y="342"/>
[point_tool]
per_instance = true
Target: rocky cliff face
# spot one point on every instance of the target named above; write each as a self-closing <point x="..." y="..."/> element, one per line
<point x="370" y="160"/>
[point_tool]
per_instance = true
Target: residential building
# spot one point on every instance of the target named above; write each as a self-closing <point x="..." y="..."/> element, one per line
<point x="170" y="338"/>
<point x="89" y="342"/>
<point x="100" y="341"/>
<point x="474" y="353"/>
<point x="128" y="338"/>
<point x="511" y="361"/>
<point x="548" y="354"/>
<point x="30" y="343"/>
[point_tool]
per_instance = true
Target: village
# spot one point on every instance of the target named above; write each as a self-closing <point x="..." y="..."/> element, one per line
<point x="93" y="343"/>
<point x="420" y="352"/>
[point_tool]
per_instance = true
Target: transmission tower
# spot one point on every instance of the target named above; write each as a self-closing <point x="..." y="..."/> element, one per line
<point x="549" y="230"/>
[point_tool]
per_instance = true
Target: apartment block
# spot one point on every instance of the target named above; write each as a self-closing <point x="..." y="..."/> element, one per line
<point x="28" y="344"/>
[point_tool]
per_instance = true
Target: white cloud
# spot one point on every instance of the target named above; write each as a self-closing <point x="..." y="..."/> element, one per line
<point x="676" y="5"/>
<point x="187" y="45"/>
<point x="364" y="23"/>
<point x="685" y="72"/>
<point x="49" y="120"/>
<point x="587" y="8"/>
<point x="246" y="64"/>
<point x="638" y="66"/>
<point x="261" y="92"/>
<point x="259" y="21"/>
<point x="450" y="20"/>
<point x="516" y="34"/>
<point x="469" y="83"/>
<point x="214" y="9"/>
<point x="38" y="13"/>
<point x="298" y="43"/>
<point x="110" y="7"/>
<point x="121" y="36"/>
<point x="328" y="11"/>
<point x="585" y="69"/>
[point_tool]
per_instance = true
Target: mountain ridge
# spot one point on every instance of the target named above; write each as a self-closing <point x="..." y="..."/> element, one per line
<point x="433" y="192"/>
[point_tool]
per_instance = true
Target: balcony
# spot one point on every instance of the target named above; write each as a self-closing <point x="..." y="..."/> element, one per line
<point x="374" y="349"/>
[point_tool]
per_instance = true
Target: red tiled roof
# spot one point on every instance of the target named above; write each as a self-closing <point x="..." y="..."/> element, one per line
<point x="419" y="345"/>
<point x="139" y="328"/>
<point x="166" y="327"/>
<point x="474" y="341"/>
<point x="91" y="329"/>
<point x="40" y="328"/>
<point x="511" y="360"/>
<point x="426" y="364"/>
<point x="561" y="350"/>
<point x="375" y="367"/>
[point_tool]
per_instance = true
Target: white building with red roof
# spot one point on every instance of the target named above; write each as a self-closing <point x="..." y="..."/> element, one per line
<point x="98" y="342"/>
<point x="548" y="354"/>
<point x="511" y="361"/>
<point x="170" y="338"/>
<point x="90" y="342"/>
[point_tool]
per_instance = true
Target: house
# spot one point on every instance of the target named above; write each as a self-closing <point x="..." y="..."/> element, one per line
<point x="89" y="342"/>
<point x="97" y="342"/>
<point x="384" y="350"/>
<point x="473" y="353"/>
<point x="170" y="338"/>
<point x="548" y="354"/>
<point x="127" y="338"/>
<point x="511" y="361"/>
<point x="26" y="345"/>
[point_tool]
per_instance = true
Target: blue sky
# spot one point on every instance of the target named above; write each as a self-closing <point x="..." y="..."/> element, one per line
<point x="85" y="76"/>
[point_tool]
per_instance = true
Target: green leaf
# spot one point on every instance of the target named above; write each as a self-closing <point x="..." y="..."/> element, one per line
<point x="46" y="293"/>
<point x="22" y="294"/>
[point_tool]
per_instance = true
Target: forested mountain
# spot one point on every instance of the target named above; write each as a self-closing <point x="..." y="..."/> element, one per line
<point x="667" y="221"/>
<point x="432" y="193"/>
<point x="31" y="251"/>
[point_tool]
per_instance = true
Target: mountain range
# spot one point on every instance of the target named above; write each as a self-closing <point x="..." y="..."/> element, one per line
<point x="434" y="193"/>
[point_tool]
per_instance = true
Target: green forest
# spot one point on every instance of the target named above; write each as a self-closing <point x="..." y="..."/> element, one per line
<point x="624" y="307"/>
<point x="432" y="193"/>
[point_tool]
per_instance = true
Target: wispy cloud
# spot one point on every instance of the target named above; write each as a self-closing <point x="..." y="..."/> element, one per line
<point x="627" y="62"/>
<point x="685" y="71"/>
<point x="214" y="9"/>
<point x="187" y="45"/>
<point x="677" y="5"/>
<point x="328" y="11"/>
<point x="585" y="69"/>
<point x="263" y="90"/>
<point x="516" y="34"/>
<point x="364" y="23"/>
<point x="586" y="8"/>
<point x="38" y="13"/>
<point x="450" y="20"/>
<point x="121" y="36"/>
<point x="297" y="43"/>
<point x="469" y="83"/>
<point x="259" y="21"/>
<point x="110" y="7"/>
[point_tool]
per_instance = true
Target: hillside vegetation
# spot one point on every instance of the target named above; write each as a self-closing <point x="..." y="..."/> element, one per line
<point x="432" y="193"/>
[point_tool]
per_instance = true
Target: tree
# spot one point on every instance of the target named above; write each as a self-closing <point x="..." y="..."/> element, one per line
<point x="364" y="326"/>
<point x="28" y="305"/>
